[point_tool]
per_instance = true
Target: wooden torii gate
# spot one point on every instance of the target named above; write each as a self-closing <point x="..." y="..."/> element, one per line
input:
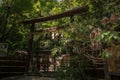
<point x="69" y="13"/>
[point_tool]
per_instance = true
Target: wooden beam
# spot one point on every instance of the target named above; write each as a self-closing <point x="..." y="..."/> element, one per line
<point x="57" y="16"/>
<point x="53" y="29"/>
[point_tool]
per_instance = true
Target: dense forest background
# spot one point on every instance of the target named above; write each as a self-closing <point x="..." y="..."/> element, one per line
<point x="12" y="12"/>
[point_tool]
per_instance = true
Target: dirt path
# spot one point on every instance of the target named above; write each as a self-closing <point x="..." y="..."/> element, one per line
<point x="29" y="78"/>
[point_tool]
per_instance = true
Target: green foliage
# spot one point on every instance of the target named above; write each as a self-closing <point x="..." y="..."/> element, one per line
<point x="76" y="70"/>
<point x="11" y="31"/>
<point x="22" y="6"/>
<point x="106" y="54"/>
<point x="80" y="30"/>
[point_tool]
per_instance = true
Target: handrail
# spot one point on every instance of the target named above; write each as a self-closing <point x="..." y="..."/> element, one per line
<point x="92" y="58"/>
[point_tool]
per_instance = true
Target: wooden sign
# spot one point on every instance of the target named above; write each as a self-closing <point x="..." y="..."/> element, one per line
<point x="3" y="48"/>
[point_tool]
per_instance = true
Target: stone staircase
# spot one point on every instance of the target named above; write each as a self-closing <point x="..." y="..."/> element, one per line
<point x="11" y="67"/>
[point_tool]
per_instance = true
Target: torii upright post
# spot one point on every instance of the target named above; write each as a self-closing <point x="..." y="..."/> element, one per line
<point x="71" y="19"/>
<point x="30" y="46"/>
